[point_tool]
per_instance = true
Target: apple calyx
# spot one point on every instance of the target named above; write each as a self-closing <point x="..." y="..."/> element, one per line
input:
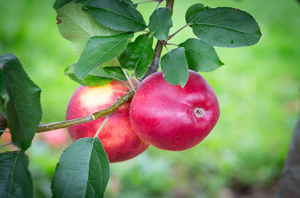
<point x="199" y="112"/>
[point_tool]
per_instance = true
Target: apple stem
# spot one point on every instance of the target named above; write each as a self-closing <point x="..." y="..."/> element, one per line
<point x="128" y="79"/>
<point x="5" y="144"/>
<point x="103" y="123"/>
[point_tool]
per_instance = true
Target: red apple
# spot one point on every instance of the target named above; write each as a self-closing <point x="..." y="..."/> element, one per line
<point x="171" y="117"/>
<point x="117" y="136"/>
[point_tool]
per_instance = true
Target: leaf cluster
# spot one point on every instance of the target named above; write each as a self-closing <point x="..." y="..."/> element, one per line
<point x="104" y="34"/>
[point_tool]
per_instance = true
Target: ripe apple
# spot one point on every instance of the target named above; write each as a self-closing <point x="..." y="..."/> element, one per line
<point x="117" y="136"/>
<point x="171" y="117"/>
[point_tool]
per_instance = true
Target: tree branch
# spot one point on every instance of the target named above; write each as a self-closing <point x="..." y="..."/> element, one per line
<point x="154" y="65"/>
<point x="58" y="125"/>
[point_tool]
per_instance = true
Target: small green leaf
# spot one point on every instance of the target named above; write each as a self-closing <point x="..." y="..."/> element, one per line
<point x="99" y="76"/>
<point x="82" y="171"/>
<point x="175" y="67"/>
<point x="117" y="15"/>
<point x="201" y="56"/>
<point x="89" y="80"/>
<point x="78" y="26"/>
<point x="226" y="27"/>
<point x="21" y="101"/>
<point x="160" y="22"/>
<point x="192" y="12"/>
<point x="98" y="50"/>
<point x="110" y="72"/>
<point x="138" y="55"/>
<point x="15" y="178"/>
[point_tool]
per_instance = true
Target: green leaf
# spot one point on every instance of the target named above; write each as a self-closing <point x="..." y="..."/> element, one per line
<point x="21" y="101"/>
<point x="78" y="26"/>
<point x="192" y="12"/>
<point x="89" y="80"/>
<point x="15" y="178"/>
<point x="82" y="170"/>
<point x="201" y="56"/>
<point x="226" y="27"/>
<point x="117" y="15"/>
<point x="130" y="3"/>
<point x="98" y="50"/>
<point x="138" y="55"/>
<point x="160" y="22"/>
<point x="60" y="3"/>
<point x="99" y="76"/>
<point x="175" y="67"/>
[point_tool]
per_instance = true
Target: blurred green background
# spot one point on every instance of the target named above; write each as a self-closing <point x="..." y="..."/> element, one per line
<point x="258" y="91"/>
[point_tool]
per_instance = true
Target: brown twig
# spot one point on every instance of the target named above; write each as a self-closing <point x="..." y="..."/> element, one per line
<point x="58" y="125"/>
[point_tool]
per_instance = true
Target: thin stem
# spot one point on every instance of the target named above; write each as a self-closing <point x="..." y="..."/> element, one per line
<point x="172" y="44"/>
<point x="146" y="2"/>
<point x="5" y="144"/>
<point x="129" y="88"/>
<point x="58" y="125"/>
<point x="171" y="36"/>
<point x="166" y="48"/>
<point x="128" y="79"/>
<point x="103" y="123"/>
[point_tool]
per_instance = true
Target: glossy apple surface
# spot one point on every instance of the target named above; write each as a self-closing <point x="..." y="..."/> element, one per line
<point x="173" y="118"/>
<point x="117" y="136"/>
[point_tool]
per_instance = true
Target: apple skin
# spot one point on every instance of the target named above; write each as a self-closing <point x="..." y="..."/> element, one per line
<point x="117" y="136"/>
<point x="173" y="118"/>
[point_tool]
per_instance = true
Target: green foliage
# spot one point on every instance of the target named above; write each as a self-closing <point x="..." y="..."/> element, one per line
<point x="201" y="56"/>
<point x="98" y="50"/>
<point x="82" y="170"/>
<point x="15" y="178"/>
<point x="160" y="23"/>
<point x="117" y="15"/>
<point x="225" y="27"/>
<point x="78" y="26"/>
<point x="193" y="11"/>
<point x="138" y="55"/>
<point x="21" y="101"/>
<point x="100" y="32"/>
<point x="175" y="67"/>
<point x="99" y="76"/>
